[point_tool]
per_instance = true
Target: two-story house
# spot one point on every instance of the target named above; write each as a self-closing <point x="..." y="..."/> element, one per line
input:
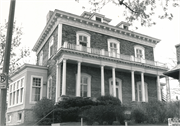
<point x="84" y="56"/>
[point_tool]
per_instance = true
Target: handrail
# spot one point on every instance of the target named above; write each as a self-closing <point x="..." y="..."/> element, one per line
<point x="102" y="52"/>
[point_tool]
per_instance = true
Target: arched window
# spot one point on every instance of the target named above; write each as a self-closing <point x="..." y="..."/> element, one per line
<point x="114" y="47"/>
<point x="83" y="38"/>
<point x="139" y="91"/>
<point x="85" y="90"/>
<point x="118" y="88"/>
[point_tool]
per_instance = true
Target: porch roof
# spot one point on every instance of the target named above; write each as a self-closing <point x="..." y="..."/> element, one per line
<point x="174" y="73"/>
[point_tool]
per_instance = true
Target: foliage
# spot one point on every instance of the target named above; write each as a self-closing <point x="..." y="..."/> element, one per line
<point x="108" y="100"/>
<point x="142" y="10"/>
<point x="100" y="114"/>
<point x="155" y="112"/>
<point x="15" y="56"/>
<point x="74" y="102"/>
<point x="43" y="107"/>
<point x="139" y="114"/>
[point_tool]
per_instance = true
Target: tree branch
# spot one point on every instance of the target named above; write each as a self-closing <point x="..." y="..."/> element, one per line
<point x="121" y="3"/>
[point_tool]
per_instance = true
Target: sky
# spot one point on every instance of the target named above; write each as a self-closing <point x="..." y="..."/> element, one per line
<point x="31" y="15"/>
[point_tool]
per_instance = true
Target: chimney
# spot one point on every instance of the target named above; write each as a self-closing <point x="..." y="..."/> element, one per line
<point x="178" y="53"/>
<point x="49" y="15"/>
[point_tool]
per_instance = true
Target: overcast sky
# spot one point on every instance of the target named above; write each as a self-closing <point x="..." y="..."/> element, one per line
<point x="31" y="14"/>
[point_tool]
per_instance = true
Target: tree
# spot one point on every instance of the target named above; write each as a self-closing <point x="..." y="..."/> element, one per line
<point x="17" y="53"/>
<point x="142" y="10"/>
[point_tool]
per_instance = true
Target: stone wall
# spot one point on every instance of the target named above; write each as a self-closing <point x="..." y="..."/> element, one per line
<point x="95" y="74"/>
<point x="99" y="41"/>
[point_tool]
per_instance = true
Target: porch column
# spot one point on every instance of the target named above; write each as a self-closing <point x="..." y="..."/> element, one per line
<point x="78" y="86"/>
<point x="114" y="82"/>
<point x="168" y="89"/>
<point x="158" y="89"/>
<point x="64" y="78"/>
<point x="133" y="85"/>
<point x="142" y="87"/>
<point x="58" y="72"/>
<point x="102" y="81"/>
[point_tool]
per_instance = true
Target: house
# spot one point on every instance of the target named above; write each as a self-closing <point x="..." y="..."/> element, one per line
<point x="84" y="56"/>
<point x="175" y="72"/>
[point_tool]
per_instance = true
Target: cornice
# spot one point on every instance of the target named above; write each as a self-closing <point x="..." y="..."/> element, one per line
<point x="78" y="21"/>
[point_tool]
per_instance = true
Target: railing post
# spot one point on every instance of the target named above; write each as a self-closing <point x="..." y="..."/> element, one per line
<point x="65" y="44"/>
<point x="102" y="52"/>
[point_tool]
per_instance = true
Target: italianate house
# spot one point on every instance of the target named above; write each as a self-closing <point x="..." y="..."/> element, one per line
<point x="84" y="56"/>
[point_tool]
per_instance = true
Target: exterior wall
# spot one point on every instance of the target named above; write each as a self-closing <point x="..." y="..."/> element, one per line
<point x="100" y="41"/>
<point x="178" y="53"/>
<point x="26" y="106"/>
<point x="95" y="73"/>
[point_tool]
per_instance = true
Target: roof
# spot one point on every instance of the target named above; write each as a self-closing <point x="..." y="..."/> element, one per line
<point x="174" y="73"/>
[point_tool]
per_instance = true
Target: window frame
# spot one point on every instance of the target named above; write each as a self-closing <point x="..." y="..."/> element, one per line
<point x="83" y="33"/>
<point x="146" y="91"/>
<point x="18" y="119"/>
<point x="114" y="41"/>
<point x="88" y="84"/>
<point x="41" y="88"/>
<point x="48" y="96"/>
<point x="9" y="116"/>
<point x="139" y="48"/>
<point x="51" y="43"/>
<point x="14" y="97"/>
<point x="119" y="87"/>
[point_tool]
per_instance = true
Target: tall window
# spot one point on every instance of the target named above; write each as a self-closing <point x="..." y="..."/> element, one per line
<point x="118" y="88"/>
<point x="51" y="42"/>
<point x="83" y="38"/>
<point x="85" y="89"/>
<point x="139" y="52"/>
<point x="41" y="58"/>
<point x="139" y="91"/>
<point x="16" y="92"/>
<point x="114" y="48"/>
<point x="50" y="88"/>
<point x="36" y="89"/>
<point x="84" y="86"/>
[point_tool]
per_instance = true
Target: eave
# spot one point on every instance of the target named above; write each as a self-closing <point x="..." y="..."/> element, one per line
<point x="78" y="19"/>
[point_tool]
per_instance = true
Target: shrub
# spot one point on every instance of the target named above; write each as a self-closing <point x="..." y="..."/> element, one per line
<point x="43" y="107"/>
<point x="75" y="102"/>
<point x="139" y="114"/>
<point x="108" y="100"/>
<point x="100" y="114"/>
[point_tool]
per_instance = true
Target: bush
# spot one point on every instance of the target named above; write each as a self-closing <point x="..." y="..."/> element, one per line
<point x="43" y="107"/>
<point x="108" y="100"/>
<point x="139" y="114"/>
<point x="100" y="114"/>
<point x="75" y="102"/>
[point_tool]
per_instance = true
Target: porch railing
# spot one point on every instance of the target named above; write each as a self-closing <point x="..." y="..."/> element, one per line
<point x="102" y="52"/>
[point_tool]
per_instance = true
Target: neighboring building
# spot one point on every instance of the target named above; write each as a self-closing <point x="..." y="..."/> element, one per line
<point x="175" y="72"/>
<point x="84" y="56"/>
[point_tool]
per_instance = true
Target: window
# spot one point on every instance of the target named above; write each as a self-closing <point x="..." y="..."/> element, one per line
<point x="8" y="118"/>
<point x="139" y="91"/>
<point x="19" y="117"/>
<point x="118" y="88"/>
<point x="16" y="92"/>
<point x="51" y="41"/>
<point x="41" y="58"/>
<point x="50" y="88"/>
<point x="83" y="38"/>
<point x="125" y="27"/>
<point x="36" y="83"/>
<point x="85" y="90"/>
<point x="139" y="53"/>
<point x="98" y="19"/>
<point x="114" y="48"/>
